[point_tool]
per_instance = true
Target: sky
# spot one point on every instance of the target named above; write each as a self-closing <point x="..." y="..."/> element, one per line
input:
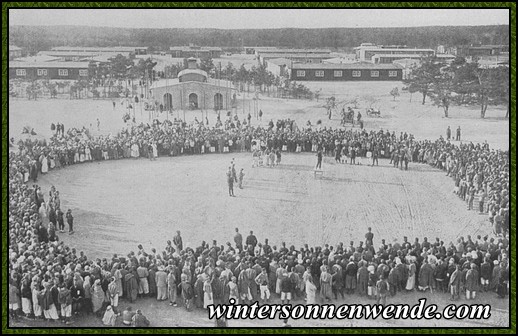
<point x="259" y="18"/>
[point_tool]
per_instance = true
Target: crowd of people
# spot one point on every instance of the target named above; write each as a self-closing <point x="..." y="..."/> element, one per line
<point x="52" y="281"/>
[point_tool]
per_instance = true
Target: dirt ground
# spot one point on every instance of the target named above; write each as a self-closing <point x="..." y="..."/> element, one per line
<point x="149" y="200"/>
<point x="119" y="204"/>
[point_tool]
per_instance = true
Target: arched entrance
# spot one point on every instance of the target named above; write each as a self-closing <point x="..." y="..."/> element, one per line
<point x="168" y="101"/>
<point x="193" y="101"/>
<point x="218" y="101"/>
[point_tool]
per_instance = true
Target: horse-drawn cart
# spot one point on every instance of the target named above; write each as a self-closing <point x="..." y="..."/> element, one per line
<point x="373" y="112"/>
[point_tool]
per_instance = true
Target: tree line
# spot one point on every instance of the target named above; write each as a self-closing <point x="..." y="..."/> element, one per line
<point x="243" y="79"/>
<point x="37" y="38"/>
<point x="460" y="83"/>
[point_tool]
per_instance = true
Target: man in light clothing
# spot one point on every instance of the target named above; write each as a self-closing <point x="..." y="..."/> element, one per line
<point x="113" y="292"/>
<point x="143" y="285"/>
<point x="161" y="284"/>
<point x="13" y="300"/>
<point x="262" y="281"/>
<point x="65" y="301"/>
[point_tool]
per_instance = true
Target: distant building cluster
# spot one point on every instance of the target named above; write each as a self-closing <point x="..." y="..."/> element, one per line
<point x="368" y="52"/>
<point x="323" y="65"/>
<point x="369" y="61"/>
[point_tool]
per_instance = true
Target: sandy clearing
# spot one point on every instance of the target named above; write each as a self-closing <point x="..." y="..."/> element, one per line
<point x="119" y="204"/>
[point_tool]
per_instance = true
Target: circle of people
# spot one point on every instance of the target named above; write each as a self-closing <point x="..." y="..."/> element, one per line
<point x="51" y="281"/>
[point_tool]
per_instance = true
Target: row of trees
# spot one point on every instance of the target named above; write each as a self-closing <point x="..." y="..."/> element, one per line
<point x="460" y="83"/>
<point x="121" y="67"/>
<point x="133" y="74"/>
<point x="37" y="38"/>
<point x="257" y="77"/>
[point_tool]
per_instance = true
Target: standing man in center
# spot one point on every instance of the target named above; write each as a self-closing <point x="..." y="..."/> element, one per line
<point x="177" y="240"/>
<point x="70" y="221"/>
<point x="241" y="175"/>
<point x="319" y="158"/>
<point x="238" y="239"/>
<point x="369" y="236"/>
<point x="230" y="181"/>
<point x="251" y="240"/>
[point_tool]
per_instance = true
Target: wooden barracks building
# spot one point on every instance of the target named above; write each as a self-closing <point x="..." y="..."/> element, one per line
<point x="49" y="70"/>
<point x="345" y="72"/>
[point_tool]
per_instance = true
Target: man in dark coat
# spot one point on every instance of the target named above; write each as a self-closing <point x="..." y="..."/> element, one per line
<point x="230" y="182"/>
<point x="455" y="283"/>
<point x="70" y="221"/>
<point x="251" y="240"/>
<point x="238" y="239"/>
<point x="319" y="159"/>
<point x="471" y="282"/>
<point x="177" y="240"/>
<point x="486" y="271"/>
<point x="60" y="220"/>
<point x="425" y="276"/>
<point x="351" y="271"/>
<point x="139" y="320"/>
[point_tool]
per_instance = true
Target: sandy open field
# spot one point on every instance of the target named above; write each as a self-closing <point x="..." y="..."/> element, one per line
<point x="119" y="204"/>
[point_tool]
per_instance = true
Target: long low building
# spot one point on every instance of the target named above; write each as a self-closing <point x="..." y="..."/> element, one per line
<point x="390" y="58"/>
<point x="300" y="58"/>
<point x="262" y="51"/>
<point x="123" y="50"/>
<point x="78" y="56"/>
<point x="49" y="70"/>
<point x="364" y="53"/>
<point x="195" y="51"/>
<point x="346" y="72"/>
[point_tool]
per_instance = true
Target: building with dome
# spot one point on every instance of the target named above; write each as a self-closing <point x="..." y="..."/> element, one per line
<point x="193" y="90"/>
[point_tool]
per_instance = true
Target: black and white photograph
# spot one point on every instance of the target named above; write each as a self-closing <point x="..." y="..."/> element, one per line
<point x="258" y="168"/>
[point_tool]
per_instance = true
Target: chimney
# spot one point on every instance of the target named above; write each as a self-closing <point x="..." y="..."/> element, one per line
<point x="192" y="63"/>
